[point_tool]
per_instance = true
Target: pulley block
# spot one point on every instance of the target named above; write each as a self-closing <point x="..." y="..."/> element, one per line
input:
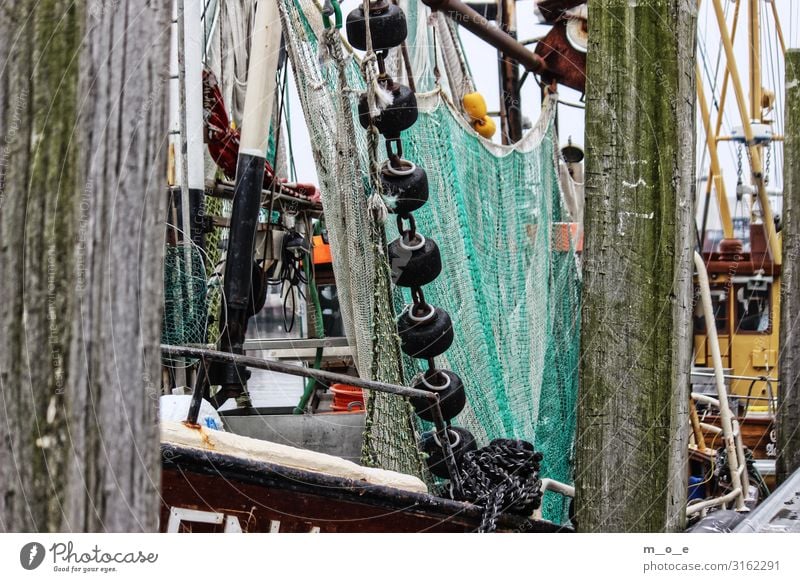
<point x="415" y="260"/>
<point x="425" y="333"/>
<point x="450" y="389"/>
<point x="387" y="26"/>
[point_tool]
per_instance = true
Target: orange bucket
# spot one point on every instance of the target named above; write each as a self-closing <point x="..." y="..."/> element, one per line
<point x="347" y="398"/>
<point x="320" y="251"/>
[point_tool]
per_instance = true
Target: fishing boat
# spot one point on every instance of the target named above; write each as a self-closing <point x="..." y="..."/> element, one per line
<point x="742" y="119"/>
<point x="415" y="352"/>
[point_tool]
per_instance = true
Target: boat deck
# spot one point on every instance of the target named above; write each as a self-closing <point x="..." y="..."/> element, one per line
<point x="266" y="497"/>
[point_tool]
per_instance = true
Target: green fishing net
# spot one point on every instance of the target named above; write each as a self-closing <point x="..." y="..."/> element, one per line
<point x="185" y="313"/>
<point x="509" y="282"/>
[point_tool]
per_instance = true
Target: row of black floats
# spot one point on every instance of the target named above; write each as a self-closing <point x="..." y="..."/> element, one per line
<point x="425" y="330"/>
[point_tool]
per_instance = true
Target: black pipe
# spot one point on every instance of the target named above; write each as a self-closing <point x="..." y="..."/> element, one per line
<point x="238" y="282"/>
<point x="197" y="395"/>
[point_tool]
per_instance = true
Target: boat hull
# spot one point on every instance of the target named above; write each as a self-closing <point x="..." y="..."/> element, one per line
<point x="211" y="492"/>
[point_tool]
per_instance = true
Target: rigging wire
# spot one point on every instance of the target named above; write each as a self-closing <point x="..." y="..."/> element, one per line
<point x="780" y="102"/>
<point x="287" y="121"/>
<point x="777" y="88"/>
<point x="714" y="105"/>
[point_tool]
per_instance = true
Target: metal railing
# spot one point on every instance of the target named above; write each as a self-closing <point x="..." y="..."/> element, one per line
<point x="769" y="381"/>
<point x="730" y="430"/>
<point x="556" y="487"/>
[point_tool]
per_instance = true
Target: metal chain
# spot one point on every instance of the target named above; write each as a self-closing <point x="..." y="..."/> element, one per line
<point x="503" y="476"/>
<point x="739" y="165"/>
<point x="766" y="169"/>
<point x="394" y="151"/>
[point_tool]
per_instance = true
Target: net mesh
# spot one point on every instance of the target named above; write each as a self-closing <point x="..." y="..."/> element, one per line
<point x="185" y="313"/>
<point x="512" y="294"/>
<point x="214" y="267"/>
<point x="328" y="92"/>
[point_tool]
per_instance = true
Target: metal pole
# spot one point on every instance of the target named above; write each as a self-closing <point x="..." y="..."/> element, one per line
<point x="511" y="109"/>
<point x="324" y="377"/>
<point x="737" y="376"/>
<point x="197" y="393"/>
<point x="465" y="16"/>
<point x="186" y="223"/>
<point x="275" y="366"/>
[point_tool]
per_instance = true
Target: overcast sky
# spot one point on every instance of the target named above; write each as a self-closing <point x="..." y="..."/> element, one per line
<point x="483" y="59"/>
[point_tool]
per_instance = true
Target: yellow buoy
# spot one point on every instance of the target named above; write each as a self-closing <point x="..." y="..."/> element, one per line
<point x="474" y="105"/>
<point x="486" y="126"/>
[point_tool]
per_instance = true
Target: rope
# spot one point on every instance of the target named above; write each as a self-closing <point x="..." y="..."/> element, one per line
<point x="454" y="62"/>
<point x="236" y="24"/>
<point x="378" y="99"/>
<point x="503" y="477"/>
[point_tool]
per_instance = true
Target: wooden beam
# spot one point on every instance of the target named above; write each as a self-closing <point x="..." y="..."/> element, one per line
<point x="83" y="113"/>
<point x="633" y="425"/>
<point x="510" y="106"/>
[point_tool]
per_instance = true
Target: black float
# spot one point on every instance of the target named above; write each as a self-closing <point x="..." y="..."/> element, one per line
<point x="425" y="331"/>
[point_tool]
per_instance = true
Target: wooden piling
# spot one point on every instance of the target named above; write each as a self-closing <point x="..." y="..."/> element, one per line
<point x="633" y="423"/>
<point x="788" y="421"/>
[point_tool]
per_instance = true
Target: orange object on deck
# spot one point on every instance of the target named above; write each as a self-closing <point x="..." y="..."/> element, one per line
<point x="347" y="398"/>
<point x="320" y="251"/>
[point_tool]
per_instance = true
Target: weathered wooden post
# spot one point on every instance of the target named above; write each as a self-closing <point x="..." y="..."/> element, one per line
<point x="38" y="207"/>
<point x="788" y="420"/>
<point x="83" y="126"/>
<point x="636" y="337"/>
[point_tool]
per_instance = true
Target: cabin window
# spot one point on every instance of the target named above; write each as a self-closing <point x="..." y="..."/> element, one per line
<point x="753" y="309"/>
<point x="719" y="301"/>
